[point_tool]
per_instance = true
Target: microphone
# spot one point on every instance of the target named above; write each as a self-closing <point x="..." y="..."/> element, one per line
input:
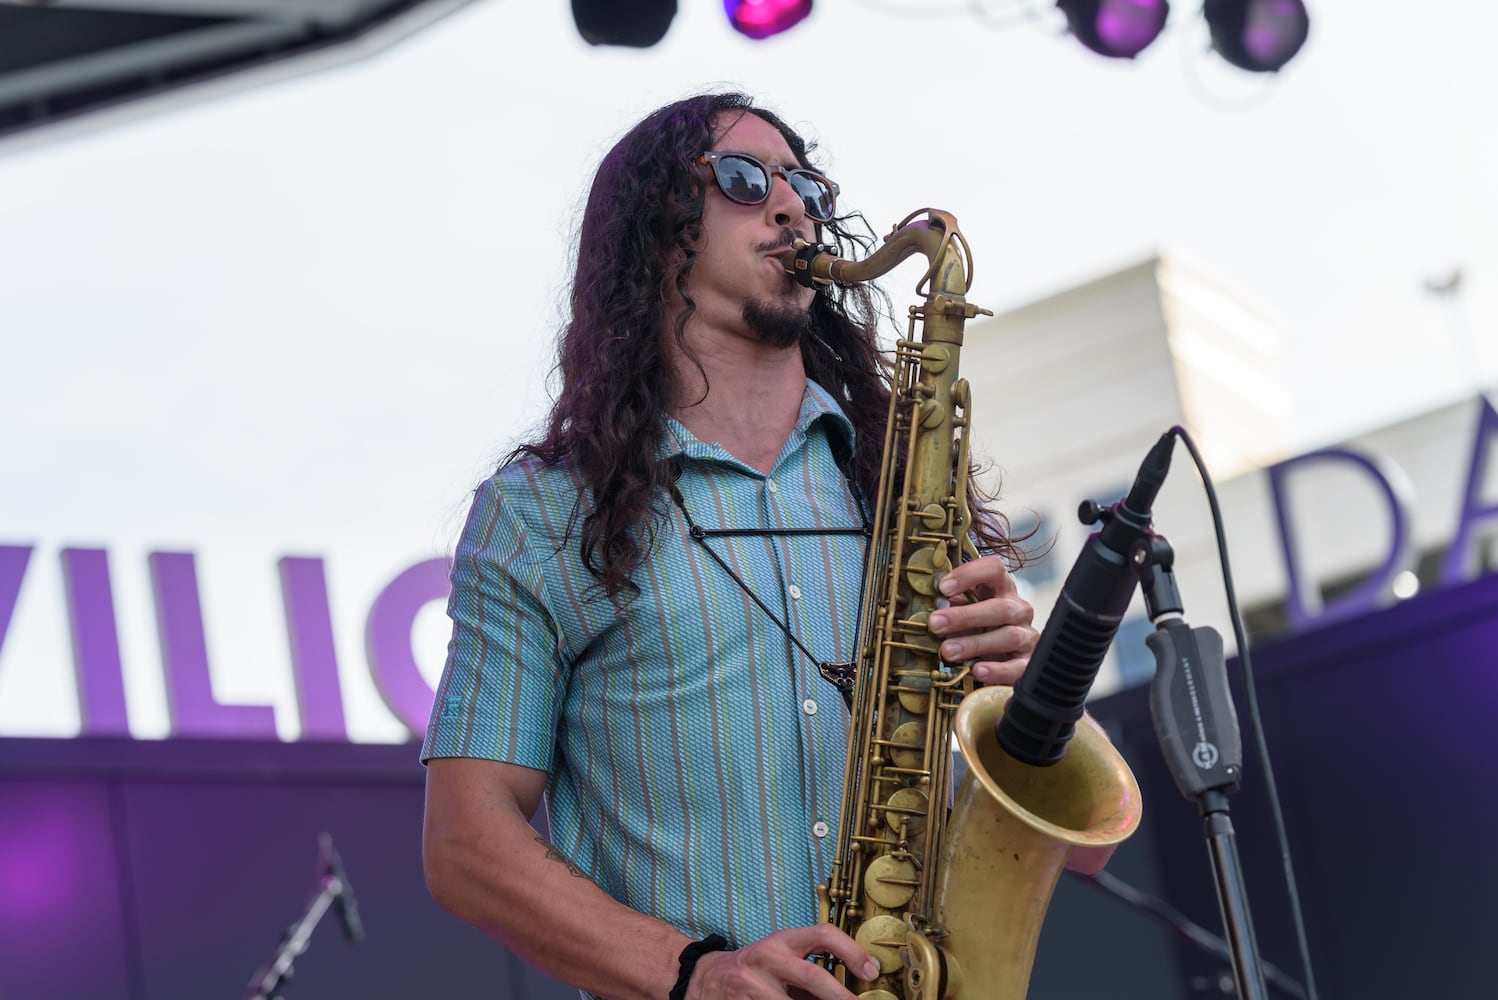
<point x="1048" y="700"/>
<point x="343" y="892"/>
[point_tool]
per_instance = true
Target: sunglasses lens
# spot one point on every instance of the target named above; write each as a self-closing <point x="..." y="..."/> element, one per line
<point x="747" y="182"/>
<point x="742" y="180"/>
<point x="815" y="194"/>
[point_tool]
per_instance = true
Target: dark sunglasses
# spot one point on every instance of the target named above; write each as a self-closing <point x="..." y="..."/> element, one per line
<point x="747" y="181"/>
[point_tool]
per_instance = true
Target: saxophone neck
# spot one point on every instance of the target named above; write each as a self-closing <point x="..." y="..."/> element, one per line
<point x="936" y="237"/>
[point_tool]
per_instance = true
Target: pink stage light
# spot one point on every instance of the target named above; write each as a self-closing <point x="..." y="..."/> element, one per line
<point x="763" y="18"/>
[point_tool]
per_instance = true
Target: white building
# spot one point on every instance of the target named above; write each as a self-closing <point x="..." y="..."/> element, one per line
<point x="1071" y="391"/>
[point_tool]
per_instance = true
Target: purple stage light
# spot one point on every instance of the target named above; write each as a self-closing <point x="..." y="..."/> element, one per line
<point x="1119" y="29"/>
<point x="763" y="18"/>
<point x="39" y="853"/>
<point x="1257" y="35"/>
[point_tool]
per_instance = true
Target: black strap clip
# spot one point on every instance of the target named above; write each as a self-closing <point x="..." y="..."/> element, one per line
<point x="839" y="675"/>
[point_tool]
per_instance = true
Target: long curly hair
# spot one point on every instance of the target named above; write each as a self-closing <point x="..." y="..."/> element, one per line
<point x="636" y="247"/>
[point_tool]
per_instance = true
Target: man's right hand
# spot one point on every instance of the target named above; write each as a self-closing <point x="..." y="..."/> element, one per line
<point x="775" y="967"/>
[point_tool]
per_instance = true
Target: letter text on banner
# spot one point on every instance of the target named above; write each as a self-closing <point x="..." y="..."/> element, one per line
<point x="1461" y="563"/>
<point x="314" y="659"/>
<point x="387" y="640"/>
<point x="96" y="642"/>
<point x="190" y="703"/>
<point x="1303" y="603"/>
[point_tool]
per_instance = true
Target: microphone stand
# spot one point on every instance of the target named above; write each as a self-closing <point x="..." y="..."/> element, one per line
<point x="332" y="887"/>
<point x="1197" y="727"/>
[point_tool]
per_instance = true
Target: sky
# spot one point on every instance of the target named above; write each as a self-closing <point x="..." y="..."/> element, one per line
<point x="307" y="317"/>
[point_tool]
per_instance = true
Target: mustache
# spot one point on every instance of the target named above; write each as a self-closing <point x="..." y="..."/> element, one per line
<point x="782" y="242"/>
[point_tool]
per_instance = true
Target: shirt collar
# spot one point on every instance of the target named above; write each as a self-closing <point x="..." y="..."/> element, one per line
<point x="816" y="404"/>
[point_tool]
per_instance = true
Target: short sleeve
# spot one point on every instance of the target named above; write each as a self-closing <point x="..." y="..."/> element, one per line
<point x="504" y="682"/>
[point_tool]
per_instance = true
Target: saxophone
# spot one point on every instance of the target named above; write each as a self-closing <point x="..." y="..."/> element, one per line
<point x="947" y="893"/>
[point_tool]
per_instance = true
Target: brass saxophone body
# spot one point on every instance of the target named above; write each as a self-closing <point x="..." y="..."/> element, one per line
<point x="947" y="894"/>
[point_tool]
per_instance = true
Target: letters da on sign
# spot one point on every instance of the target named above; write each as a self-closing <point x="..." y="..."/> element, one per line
<point x="1303" y="604"/>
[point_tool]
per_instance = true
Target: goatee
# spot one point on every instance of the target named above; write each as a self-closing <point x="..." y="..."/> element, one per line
<point x="779" y="324"/>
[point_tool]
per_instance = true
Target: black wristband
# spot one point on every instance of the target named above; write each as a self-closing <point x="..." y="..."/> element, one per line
<point x="689" y="956"/>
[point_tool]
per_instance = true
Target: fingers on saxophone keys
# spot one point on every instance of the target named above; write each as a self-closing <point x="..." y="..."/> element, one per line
<point x="996" y="613"/>
<point x="1004" y="642"/>
<point x="987" y="576"/>
<point x="951" y="619"/>
<point x="1000" y="672"/>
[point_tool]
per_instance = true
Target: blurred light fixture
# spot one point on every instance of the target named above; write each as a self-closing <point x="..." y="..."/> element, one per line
<point x="1406" y="585"/>
<point x="1257" y="35"/>
<point x="636" y="23"/>
<point x="1119" y="29"/>
<point x="763" y="18"/>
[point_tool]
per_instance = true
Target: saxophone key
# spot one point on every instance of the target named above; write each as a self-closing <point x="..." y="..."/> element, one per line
<point x="890" y="881"/>
<point x="932" y="414"/>
<point x="908" y="745"/>
<point x="930" y="974"/>
<point x="907" y="807"/>
<point x="882" y="937"/>
<point x="936" y="358"/>
<point x="930" y="562"/>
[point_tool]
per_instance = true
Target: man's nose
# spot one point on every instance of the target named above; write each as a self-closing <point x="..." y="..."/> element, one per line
<point x="784" y="206"/>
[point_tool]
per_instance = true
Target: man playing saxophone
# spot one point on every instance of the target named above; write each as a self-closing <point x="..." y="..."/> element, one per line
<point x="642" y="595"/>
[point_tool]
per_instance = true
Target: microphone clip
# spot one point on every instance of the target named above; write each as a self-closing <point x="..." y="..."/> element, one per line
<point x="1191" y="704"/>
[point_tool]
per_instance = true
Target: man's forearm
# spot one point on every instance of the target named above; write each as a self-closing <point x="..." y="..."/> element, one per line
<point x="512" y="884"/>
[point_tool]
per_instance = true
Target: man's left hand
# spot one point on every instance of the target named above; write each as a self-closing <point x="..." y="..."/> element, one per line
<point x="987" y="621"/>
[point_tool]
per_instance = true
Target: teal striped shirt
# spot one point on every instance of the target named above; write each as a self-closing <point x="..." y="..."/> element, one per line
<point x="695" y="755"/>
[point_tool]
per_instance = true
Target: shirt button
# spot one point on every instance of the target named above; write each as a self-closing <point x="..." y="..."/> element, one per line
<point x="809" y="707"/>
<point x="794" y="591"/>
<point x="820" y="829"/>
<point x="770" y="485"/>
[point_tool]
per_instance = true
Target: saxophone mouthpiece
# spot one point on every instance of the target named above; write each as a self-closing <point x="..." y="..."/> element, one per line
<point x="800" y="262"/>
